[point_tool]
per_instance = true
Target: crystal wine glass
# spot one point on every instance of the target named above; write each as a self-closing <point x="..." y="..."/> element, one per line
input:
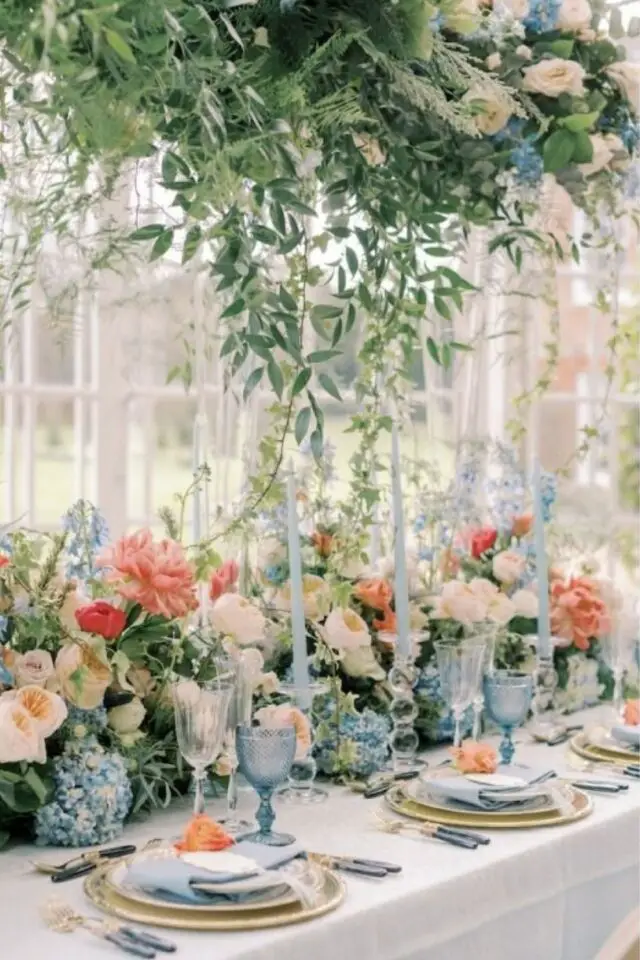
<point x="618" y="650"/>
<point x="508" y="697"/>
<point x="460" y="668"/>
<point x="239" y="713"/>
<point x="487" y="633"/>
<point x="201" y="717"/>
<point x="265" y="755"/>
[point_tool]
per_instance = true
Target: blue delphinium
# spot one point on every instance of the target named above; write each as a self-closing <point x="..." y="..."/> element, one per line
<point x="542" y="16"/>
<point x="362" y="746"/>
<point x="92" y="794"/>
<point x="548" y="492"/>
<point x="87" y="533"/>
<point x="527" y="162"/>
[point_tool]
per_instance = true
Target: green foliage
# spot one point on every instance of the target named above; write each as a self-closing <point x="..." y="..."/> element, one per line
<point x="24" y="788"/>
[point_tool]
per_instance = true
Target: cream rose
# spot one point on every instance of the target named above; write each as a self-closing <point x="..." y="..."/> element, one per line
<point x="20" y="739"/>
<point x="346" y="630"/>
<point x="238" y="618"/>
<point x="34" y="667"/>
<point x="362" y="662"/>
<point x="526" y="603"/>
<point x="605" y="147"/>
<point x="285" y="715"/>
<point x="574" y="16"/>
<point x="524" y="52"/>
<point x="67" y="613"/>
<point x="315" y="594"/>
<point x="47" y="710"/>
<point x="493" y="114"/>
<point x="463" y="17"/>
<point x="553" y="77"/>
<point x="83" y="675"/>
<point x="458" y="602"/>
<point x="501" y="609"/>
<point x="518" y="9"/>
<point x="508" y="566"/>
<point x="127" y="718"/>
<point x="626" y="76"/>
<point x="493" y="61"/>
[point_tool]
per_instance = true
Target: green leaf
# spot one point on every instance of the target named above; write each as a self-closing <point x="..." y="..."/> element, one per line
<point x="191" y="243"/>
<point x="253" y="380"/>
<point x="432" y="350"/>
<point x="150" y="232"/>
<point x="582" y="148"/>
<point x="162" y="244"/>
<point x="301" y="381"/>
<point x="365" y="298"/>
<point x="276" y="378"/>
<point x="37" y="785"/>
<point x="442" y="307"/>
<point x="265" y="235"/>
<point x="351" y="318"/>
<point x="289" y="200"/>
<point x="325" y="311"/>
<point x="119" y="45"/>
<point x="445" y="355"/>
<point x="319" y="415"/>
<point x="328" y="384"/>
<point x="234" y="309"/>
<point x="579" y="121"/>
<point x="558" y="150"/>
<point x="288" y="301"/>
<point x="231" y="29"/>
<point x="321" y="356"/>
<point x="352" y="260"/>
<point x="302" y="424"/>
<point x="277" y="217"/>
<point x="337" y="333"/>
<point x="317" y="443"/>
<point x="456" y="345"/>
<point x="561" y="48"/>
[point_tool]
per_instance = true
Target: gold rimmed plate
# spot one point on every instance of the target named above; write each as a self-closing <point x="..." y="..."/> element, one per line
<point x="582" y="745"/>
<point x="330" y="896"/>
<point x="581" y="806"/>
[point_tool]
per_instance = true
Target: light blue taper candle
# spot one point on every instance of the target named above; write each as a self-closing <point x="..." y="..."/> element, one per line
<point x="401" y="579"/>
<point x="298" y="626"/>
<point x="545" y="647"/>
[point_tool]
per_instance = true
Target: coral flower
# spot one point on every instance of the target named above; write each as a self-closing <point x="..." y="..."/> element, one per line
<point x="223" y="579"/>
<point x="632" y="713"/>
<point x="522" y="524"/>
<point x="482" y="540"/>
<point x="389" y="623"/>
<point x="4" y="560"/>
<point x="474" y="757"/>
<point x="155" y="575"/>
<point x="375" y="593"/>
<point x="203" y="833"/>
<point x="578" y="613"/>
<point x="323" y="542"/>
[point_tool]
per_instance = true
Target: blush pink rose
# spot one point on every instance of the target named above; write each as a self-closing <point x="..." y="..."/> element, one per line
<point x="474" y="757"/>
<point x="578" y="612"/>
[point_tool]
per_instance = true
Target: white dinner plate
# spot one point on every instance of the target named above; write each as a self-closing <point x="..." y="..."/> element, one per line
<point x="499" y="781"/>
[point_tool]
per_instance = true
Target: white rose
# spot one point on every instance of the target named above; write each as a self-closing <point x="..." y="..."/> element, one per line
<point x="626" y="77"/>
<point x="484" y="589"/>
<point x="238" y="618"/>
<point x="524" y="52"/>
<point x="526" y="603"/>
<point x="127" y="717"/>
<point x="605" y="147"/>
<point x="493" y="61"/>
<point x="362" y="662"/>
<point x="553" y="77"/>
<point x="34" y="667"/>
<point x="458" y="602"/>
<point x="574" y="16"/>
<point x="355" y="569"/>
<point x="20" y="739"/>
<point x="501" y="609"/>
<point x="518" y="9"/>
<point x="315" y="594"/>
<point x="346" y="630"/>
<point x="494" y="113"/>
<point x="508" y="566"/>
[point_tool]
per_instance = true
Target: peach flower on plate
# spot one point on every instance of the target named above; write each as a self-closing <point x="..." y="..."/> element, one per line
<point x="474" y="757"/>
<point x="286" y="715"/>
<point x="631" y="713"/>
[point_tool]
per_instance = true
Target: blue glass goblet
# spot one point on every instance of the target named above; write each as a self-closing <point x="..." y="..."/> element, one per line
<point x="507" y="696"/>
<point x="265" y="755"/>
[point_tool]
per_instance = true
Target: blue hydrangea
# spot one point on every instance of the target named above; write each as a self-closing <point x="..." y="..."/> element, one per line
<point x="87" y="533"/>
<point x="428" y="685"/>
<point x="629" y="133"/>
<point x="276" y="573"/>
<point x="527" y="162"/>
<point x="363" y="744"/>
<point x="92" y="796"/>
<point x="83" y="723"/>
<point x="542" y="16"/>
<point x="511" y="131"/>
<point x="436" y="22"/>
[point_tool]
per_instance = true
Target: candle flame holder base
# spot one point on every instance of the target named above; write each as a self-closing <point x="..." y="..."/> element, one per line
<point x="403" y="712"/>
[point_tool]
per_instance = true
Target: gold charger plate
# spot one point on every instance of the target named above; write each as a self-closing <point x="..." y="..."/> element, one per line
<point x="397" y="799"/>
<point x="178" y="918"/>
<point x="133" y="895"/>
<point x="590" y="751"/>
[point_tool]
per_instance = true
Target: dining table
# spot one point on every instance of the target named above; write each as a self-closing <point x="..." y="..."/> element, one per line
<point x="552" y="893"/>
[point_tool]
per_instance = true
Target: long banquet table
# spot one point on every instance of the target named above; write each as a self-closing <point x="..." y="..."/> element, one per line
<point x="546" y="894"/>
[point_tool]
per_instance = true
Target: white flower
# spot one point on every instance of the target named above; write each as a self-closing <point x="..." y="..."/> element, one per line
<point x="524" y="52"/>
<point x="493" y="61"/>
<point x="574" y="16"/>
<point x="34" y="667"/>
<point x="501" y="609"/>
<point x="484" y="589"/>
<point x="20" y="738"/>
<point x="626" y="76"/>
<point x="464" y="16"/>
<point x="252" y="663"/>
<point x="605" y="147"/>
<point x="268" y="683"/>
<point x="458" y="602"/>
<point x="46" y="709"/>
<point x="518" y="9"/>
<point x="354" y="569"/>
<point x="127" y="717"/>
<point x="508" y="566"/>
<point x="316" y="597"/>
<point x="362" y="662"/>
<point x="553" y="77"/>
<point x="526" y="603"/>
<point x="493" y="113"/>
<point x="238" y="618"/>
<point x="346" y="630"/>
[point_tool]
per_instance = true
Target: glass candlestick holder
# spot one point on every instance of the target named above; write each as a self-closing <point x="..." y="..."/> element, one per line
<point x="302" y="787"/>
<point x="403" y="712"/>
<point x="544" y="720"/>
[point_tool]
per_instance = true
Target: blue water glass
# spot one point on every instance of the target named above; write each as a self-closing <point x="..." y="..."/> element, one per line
<point x="265" y="756"/>
<point x="507" y="695"/>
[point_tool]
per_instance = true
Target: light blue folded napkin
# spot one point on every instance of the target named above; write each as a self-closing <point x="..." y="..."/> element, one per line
<point x="628" y="735"/>
<point x="467" y="793"/>
<point x="171" y="879"/>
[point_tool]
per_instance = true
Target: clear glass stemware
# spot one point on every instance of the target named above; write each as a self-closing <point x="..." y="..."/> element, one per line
<point x="460" y="667"/>
<point x="201" y="717"/>
<point x="485" y="632"/>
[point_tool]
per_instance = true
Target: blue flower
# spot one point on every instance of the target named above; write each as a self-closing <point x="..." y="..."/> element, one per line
<point x="528" y="163"/>
<point x="87" y="532"/>
<point x="542" y="16"/>
<point x="512" y="131"/>
<point x="419" y="523"/>
<point x="362" y="741"/>
<point x="436" y="22"/>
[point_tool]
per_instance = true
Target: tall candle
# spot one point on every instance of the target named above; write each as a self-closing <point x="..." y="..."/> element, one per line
<point x="298" y="625"/>
<point x="374" y="541"/>
<point x="401" y="579"/>
<point x="545" y="647"/>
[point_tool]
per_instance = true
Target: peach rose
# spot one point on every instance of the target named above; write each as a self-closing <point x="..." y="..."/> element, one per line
<point x="375" y="593"/>
<point x="20" y="738"/>
<point x="315" y="595"/>
<point x="526" y="603"/>
<point x="223" y="579"/>
<point x="323" y="542"/>
<point x="202" y="833"/>
<point x="578" y="613"/>
<point x="631" y="713"/>
<point x="522" y="524"/>
<point x="626" y="76"/>
<point x="83" y="675"/>
<point x="388" y="623"/>
<point x="474" y="757"/>
<point x="345" y="630"/>
<point x="46" y="709"/>
<point x="34" y="668"/>
<point x="286" y="715"/>
<point x="362" y="662"/>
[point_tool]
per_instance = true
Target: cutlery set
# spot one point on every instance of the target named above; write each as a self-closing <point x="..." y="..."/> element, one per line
<point x="60" y="916"/>
<point x="376" y="869"/>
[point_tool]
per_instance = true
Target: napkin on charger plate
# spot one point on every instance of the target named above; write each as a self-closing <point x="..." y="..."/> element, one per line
<point x="172" y="879"/>
<point x="471" y="793"/>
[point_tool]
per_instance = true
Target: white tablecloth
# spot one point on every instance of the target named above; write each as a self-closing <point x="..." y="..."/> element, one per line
<point x="546" y="894"/>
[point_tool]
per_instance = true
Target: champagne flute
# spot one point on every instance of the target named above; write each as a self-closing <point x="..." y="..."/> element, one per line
<point x="201" y="716"/>
<point x="460" y="668"/>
